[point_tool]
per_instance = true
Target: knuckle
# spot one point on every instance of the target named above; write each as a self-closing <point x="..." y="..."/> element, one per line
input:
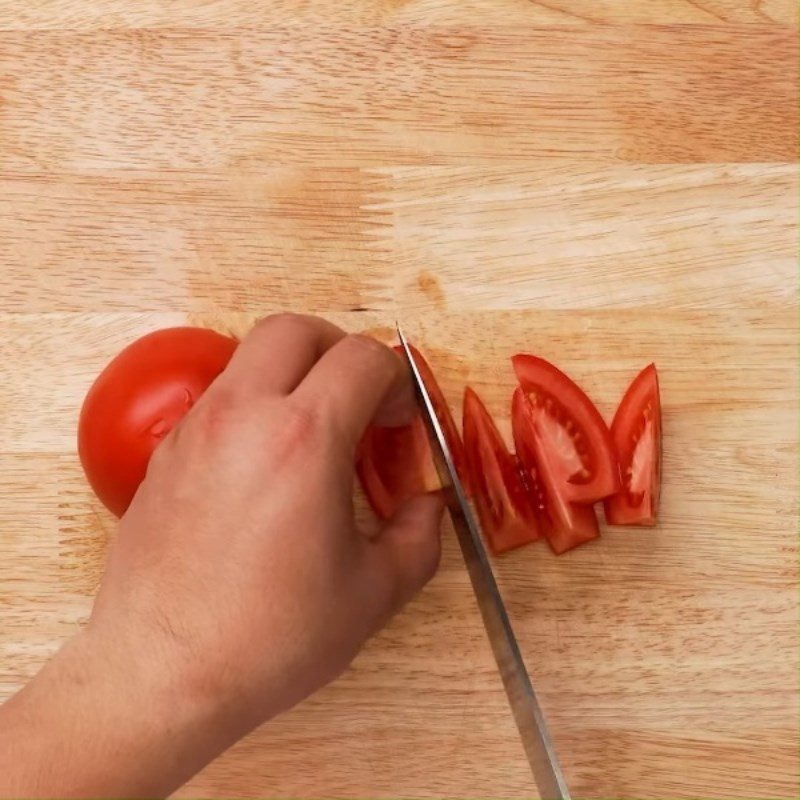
<point x="214" y="412"/>
<point x="367" y="347"/>
<point x="283" y="319"/>
<point x="303" y="425"/>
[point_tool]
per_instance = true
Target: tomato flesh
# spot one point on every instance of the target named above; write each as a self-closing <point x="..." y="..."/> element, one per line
<point x="137" y="400"/>
<point x="636" y="431"/>
<point x="395" y="464"/>
<point x="577" y="451"/>
<point x="565" y="524"/>
<point x="504" y="504"/>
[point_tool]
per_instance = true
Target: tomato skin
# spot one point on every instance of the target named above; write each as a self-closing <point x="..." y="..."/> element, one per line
<point x="636" y="431"/>
<point x="504" y="504"/>
<point x="443" y="413"/>
<point x="594" y="473"/>
<point x="137" y="399"/>
<point x="395" y="464"/>
<point x="565" y="524"/>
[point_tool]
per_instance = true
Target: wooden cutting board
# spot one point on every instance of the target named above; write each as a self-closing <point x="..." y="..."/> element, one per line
<point x="603" y="183"/>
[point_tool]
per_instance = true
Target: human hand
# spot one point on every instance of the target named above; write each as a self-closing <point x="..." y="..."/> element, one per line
<point x="238" y="582"/>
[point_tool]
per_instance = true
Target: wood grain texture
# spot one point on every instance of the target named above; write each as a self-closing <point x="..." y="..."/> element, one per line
<point x="603" y="183"/>
<point x="235" y="14"/>
<point x="406" y="94"/>
<point x="580" y="236"/>
<point x="197" y="241"/>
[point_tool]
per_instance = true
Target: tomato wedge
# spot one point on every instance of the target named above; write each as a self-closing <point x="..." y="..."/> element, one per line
<point x="564" y="523"/>
<point x="443" y="413"/>
<point x="395" y="464"/>
<point x="636" y="431"/>
<point x="505" y="506"/>
<point x="580" y="459"/>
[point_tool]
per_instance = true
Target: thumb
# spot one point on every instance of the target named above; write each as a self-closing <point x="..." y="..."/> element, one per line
<point x="409" y="547"/>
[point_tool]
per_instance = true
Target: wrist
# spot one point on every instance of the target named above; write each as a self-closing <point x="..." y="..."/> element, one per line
<point x="189" y="696"/>
<point x="150" y="679"/>
<point x="155" y="733"/>
<point x="103" y="718"/>
<point x="94" y="723"/>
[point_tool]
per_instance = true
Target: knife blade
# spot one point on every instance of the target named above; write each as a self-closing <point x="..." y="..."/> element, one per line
<point x="525" y="707"/>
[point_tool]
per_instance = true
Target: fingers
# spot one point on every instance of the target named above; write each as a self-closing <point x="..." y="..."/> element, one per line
<point x="352" y="380"/>
<point x="358" y="381"/>
<point x="407" y="551"/>
<point x="279" y="352"/>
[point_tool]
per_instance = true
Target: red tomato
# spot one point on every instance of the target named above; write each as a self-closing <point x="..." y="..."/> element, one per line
<point x="636" y="432"/>
<point x="138" y="399"/>
<point x="564" y="523"/>
<point x="581" y="460"/>
<point x="505" y="506"/>
<point x="395" y="464"/>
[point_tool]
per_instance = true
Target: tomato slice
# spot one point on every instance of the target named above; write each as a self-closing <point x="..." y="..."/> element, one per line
<point x="636" y="431"/>
<point x="580" y="460"/>
<point x="443" y="413"/>
<point x="505" y="506"/>
<point x="565" y="524"/>
<point x="395" y="464"/>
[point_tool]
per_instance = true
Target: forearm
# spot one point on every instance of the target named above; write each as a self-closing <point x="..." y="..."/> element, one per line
<point x="94" y="722"/>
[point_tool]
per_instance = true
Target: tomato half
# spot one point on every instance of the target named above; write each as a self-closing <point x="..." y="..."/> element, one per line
<point x="636" y="431"/>
<point x="505" y="506"/>
<point x="137" y="399"/>
<point x="395" y="464"/>
<point x="564" y="523"/>
<point x="581" y="460"/>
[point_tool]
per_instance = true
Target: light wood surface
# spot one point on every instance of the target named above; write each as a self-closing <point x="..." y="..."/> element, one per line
<point x="603" y="183"/>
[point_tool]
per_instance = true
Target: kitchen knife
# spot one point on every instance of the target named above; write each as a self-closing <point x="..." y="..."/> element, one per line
<point x="524" y="705"/>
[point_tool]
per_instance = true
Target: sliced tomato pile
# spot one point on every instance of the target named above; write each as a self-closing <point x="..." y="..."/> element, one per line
<point x="541" y="443"/>
<point x="566" y="461"/>
<point x="566" y="448"/>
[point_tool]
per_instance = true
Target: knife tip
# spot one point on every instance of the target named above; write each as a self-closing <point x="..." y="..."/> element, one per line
<point x="400" y="335"/>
